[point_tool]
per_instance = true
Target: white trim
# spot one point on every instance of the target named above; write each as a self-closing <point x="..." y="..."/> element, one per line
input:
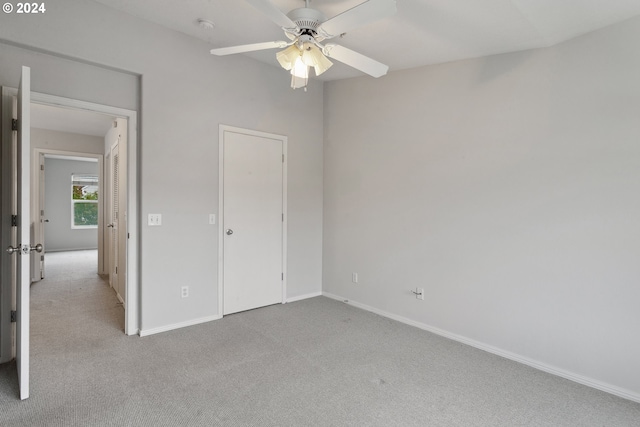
<point x="40" y="154"/>
<point x="221" y="130"/>
<point x="147" y="332"/>
<point x="220" y="220"/>
<point x="285" y="212"/>
<point x="132" y="306"/>
<point x="580" y="379"/>
<point x="306" y="296"/>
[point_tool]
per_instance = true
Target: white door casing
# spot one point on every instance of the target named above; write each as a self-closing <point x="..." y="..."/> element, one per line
<point x="38" y="216"/>
<point x="38" y="197"/>
<point x="252" y="219"/>
<point x="113" y="217"/>
<point x="129" y="232"/>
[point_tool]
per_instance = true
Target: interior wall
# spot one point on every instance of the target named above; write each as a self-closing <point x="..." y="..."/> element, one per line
<point x="66" y="141"/>
<point x="507" y="187"/>
<point x="184" y="94"/>
<point x="59" y="236"/>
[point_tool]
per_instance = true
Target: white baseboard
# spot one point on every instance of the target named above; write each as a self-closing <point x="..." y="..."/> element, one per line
<point x="301" y="297"/>
<point x="146" y="332"/>
<point x="590" y="382"/>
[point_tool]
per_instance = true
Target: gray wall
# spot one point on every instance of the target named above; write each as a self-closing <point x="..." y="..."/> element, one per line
<point x="508" y="187"/>
<point x="59" y="236"/>
<point x="184" y="94"/>
<point x="65" y="141"/>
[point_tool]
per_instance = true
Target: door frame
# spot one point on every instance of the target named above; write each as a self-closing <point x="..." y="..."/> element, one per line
<point x="39" y="154"/>
<point x="132" y="306"/>
<point x="8" y="234"/>
<point x="221" y="131"/>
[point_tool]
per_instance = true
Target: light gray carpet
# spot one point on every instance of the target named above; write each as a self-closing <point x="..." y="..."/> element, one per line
<point x="316" y="362"/>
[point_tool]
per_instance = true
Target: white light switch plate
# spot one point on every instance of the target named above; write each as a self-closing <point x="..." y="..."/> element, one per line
<point x="212" y="219"/>
<point x="155" y="219"/>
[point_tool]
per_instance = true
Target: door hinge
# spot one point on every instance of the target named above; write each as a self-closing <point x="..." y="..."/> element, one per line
<point x="282" y="217"/>
<point x="14" y="124"/>
<point x="282" y="276"/>
<point x="14" y="315"/>
<point x="283" y="158"/>
<point x="41" y="167"/>
<point x="14" y="220"/>
<point x="116" y="269"/>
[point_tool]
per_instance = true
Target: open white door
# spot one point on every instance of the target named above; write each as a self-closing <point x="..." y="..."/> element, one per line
<point x="22" y="250"/>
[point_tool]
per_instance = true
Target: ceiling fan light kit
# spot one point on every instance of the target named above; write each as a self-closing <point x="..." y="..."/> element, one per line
<point x="307" y="28"/>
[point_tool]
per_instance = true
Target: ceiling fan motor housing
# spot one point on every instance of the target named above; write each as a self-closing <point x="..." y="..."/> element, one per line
<point x="306" y="18"/>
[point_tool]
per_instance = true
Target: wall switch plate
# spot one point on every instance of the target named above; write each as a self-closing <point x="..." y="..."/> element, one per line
<point x="184" y="291"/>
<point x="420" y="293"/>
<point x="212" y="219"/>
<point x="155" y="219"/>
<point x="354" y="277"/>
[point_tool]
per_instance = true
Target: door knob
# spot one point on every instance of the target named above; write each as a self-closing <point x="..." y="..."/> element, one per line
<point x="11" y="249"/>
<point x="229" y="231"/>
<point x="110" y="225"/>
<point x="38" y="248"/>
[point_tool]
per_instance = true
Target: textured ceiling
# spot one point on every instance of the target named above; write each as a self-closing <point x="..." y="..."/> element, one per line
<point x="422" y="32"/>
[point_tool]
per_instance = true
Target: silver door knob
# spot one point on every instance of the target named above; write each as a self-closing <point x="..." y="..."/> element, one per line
<point x="11" y="249"/>
<point x="38" y="248"/>
<point x="229" y="232"/>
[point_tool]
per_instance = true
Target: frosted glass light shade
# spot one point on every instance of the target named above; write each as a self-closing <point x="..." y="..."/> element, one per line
<point x="313" y="57"/>
<point x="299" y="74"/>
<point x="299" y="60"/>
<point x="287" y="58"/>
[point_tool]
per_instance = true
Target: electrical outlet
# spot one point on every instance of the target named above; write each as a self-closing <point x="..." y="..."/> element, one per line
<point x="184" y="291"/>
<point x="354" y="277"/>
<point x="420" y="293"/>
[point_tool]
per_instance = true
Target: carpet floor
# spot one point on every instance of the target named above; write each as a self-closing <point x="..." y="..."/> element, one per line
<point x="316" y="362"/>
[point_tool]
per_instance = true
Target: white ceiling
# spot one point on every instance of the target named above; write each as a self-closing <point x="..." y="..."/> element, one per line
<point x="422" y="32"/>
<point x="70" y="120"/>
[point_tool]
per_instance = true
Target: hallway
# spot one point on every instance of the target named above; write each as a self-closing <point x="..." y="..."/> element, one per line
<point x="73" y="312"/>
<point x="72" y="293"/>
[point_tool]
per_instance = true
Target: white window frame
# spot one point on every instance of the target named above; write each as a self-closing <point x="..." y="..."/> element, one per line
<point x="74" y="201"/>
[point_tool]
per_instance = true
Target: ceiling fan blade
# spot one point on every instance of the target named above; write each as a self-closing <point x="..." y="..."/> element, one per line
<point x="248" y="48"/>
<point x="272" y="12"/>
<point x="364" y="13"/>
<point x="356" y="60"/>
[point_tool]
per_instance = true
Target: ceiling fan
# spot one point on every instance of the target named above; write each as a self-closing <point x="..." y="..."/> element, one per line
<point x="306" y="28"/>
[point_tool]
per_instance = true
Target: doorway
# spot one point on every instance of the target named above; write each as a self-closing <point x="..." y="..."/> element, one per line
<point x="253" y="200"/>
<point x="17" y="221"/>
<point x="67" y="201"/>
<point x="96" y="137"/>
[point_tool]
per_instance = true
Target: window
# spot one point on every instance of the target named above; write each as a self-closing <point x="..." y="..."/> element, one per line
<point x="84" y="201"/>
